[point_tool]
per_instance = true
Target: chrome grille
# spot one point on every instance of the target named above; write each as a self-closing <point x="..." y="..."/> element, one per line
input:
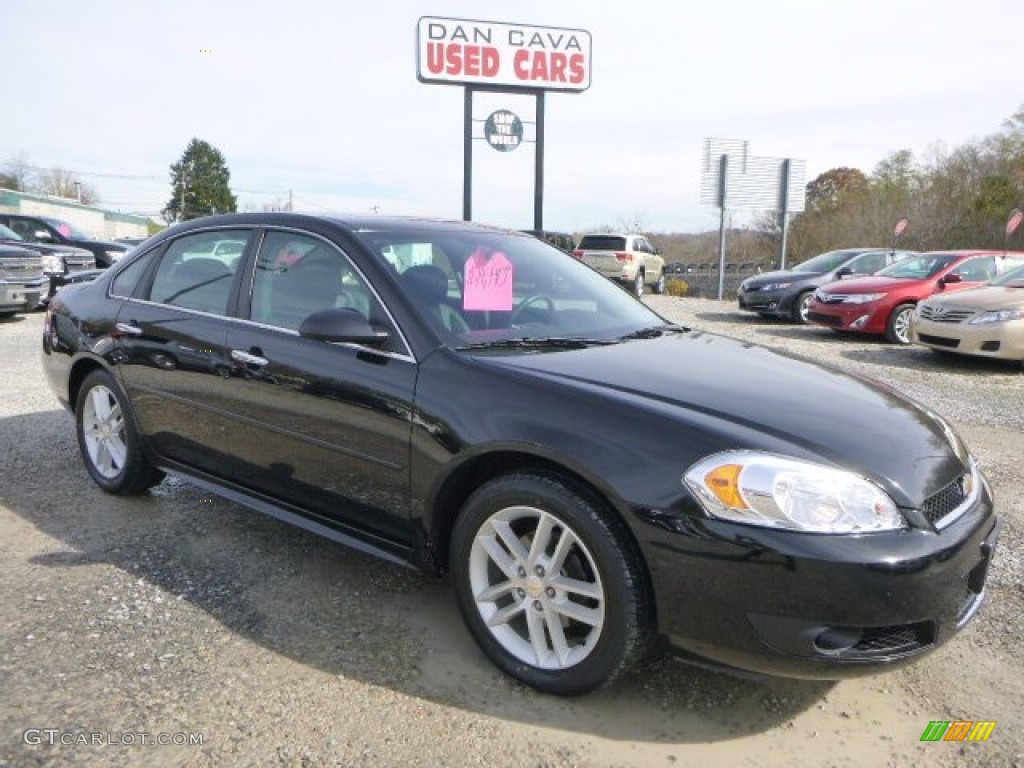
<point x="945" y="506"/>
<point x="21" y="269"/>
<point x="941" y="314"/>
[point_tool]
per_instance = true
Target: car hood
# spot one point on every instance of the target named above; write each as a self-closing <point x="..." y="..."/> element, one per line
<point x="743" y="396"/>
<point x="780" y="276"/>
<point x="69" y="250"/>
<point x="985" y="298"/>
<point x="873" y="284"/>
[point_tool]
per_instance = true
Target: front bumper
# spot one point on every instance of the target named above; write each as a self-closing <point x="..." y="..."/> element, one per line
<point x="864" y="318"/>
<point x="778" y="302"/>
<point x="999" y="340"/>
<point x="21" y="296"/>
<point x="817" y="606"/>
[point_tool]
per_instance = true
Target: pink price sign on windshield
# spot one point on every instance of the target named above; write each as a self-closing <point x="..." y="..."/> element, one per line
<point x="488" y="282"/>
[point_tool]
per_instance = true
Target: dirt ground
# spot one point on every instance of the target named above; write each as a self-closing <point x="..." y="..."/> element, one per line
<point x="183" y="615"/>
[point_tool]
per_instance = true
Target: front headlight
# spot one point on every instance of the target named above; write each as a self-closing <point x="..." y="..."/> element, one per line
<point x="52" y="263"/>
<point x="861" y="298"/>
<point x="775" y="286"/>
<point x="779" y="492"/>
<point x="998" y="316"/>
<point x="115" y="256"/>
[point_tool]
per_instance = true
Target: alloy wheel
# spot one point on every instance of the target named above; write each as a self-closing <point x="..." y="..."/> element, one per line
<point x="537" y="588"/>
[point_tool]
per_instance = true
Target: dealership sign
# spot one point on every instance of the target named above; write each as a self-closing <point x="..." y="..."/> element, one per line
<point x="461" y="51"/>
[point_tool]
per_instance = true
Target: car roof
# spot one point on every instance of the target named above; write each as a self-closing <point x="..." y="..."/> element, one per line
<point x="353" y="221"/>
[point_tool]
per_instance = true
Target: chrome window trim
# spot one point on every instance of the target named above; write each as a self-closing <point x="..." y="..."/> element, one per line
<point x="260" y="231"/>
<point x="264" y="326"/>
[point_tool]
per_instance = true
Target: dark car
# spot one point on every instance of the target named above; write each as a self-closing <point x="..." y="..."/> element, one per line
<point x="563" y="241"/>
<point x="463" y="399"/>
<point x="46" y="229"/>
<point x="787" y="293"/>
<point x="59" y="261"/>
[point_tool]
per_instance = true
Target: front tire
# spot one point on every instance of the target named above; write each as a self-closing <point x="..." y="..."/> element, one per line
<point x="659" y="287"/>
<point x="897" y="329"/>
<point x="109" y="440"/>
<point x="550" y="585"/>
<point x="801" y="307"/>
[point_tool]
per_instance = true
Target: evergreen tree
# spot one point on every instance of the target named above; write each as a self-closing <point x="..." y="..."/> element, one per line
<point x="199" y="184"/>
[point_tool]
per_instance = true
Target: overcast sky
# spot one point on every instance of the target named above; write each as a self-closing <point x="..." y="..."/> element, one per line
<point x="320" y="97"/>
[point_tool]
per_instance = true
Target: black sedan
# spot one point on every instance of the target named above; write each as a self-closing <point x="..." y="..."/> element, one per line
<point x="474" y="401"/>
<point x="787" y="293"/>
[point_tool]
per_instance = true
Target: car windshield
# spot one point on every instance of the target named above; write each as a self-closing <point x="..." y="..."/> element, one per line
<point x="826" y="262"/>
<point x="602" y="243"/>
<point x="494" y="289"/>
<point x="69" y="230"/>
<point x="1014" y="278"/>
<point x="9" y="234"/>
<point x="919" y="267"/>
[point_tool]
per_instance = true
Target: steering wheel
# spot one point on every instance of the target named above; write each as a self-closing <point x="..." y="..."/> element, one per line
<point x="533" y="299"/>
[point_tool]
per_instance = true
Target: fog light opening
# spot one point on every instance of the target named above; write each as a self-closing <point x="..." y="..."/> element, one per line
<point x="837" y="639"/>
<point x="860" y="322"/>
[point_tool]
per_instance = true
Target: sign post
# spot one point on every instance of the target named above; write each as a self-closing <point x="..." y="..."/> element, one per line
<point x="505" y="58"/>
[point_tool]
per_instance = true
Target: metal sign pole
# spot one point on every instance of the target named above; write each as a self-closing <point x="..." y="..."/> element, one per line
<point x="784" y="208"/>
<point x="538" y="168"/>
<point x="723" y="166"/>
<point x="467" y="156"/>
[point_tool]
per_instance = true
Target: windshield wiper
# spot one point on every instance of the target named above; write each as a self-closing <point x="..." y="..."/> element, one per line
<point x="565" y="342"/>
<point x="654" y="331"/>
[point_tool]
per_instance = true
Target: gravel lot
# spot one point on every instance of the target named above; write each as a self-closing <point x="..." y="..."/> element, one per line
<point x="178" y="613"/>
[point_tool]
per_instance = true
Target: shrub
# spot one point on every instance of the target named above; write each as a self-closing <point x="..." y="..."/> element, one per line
<point x="676" y="287"/>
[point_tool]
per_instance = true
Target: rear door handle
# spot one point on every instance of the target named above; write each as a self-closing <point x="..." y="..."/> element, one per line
<point x="241" y="356"/>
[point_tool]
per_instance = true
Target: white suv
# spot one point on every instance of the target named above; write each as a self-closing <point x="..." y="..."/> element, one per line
<point x="629" y="259"/>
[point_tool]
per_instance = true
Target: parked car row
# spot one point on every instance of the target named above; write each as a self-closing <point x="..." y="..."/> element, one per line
<point x="966" y="301"/>
<point x="66" y="255"/>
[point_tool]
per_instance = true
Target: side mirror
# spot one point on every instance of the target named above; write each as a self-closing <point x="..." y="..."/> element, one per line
<point x="344" y="325"/>
<point x="844" y="272"/>
<point x="951" y="278"/>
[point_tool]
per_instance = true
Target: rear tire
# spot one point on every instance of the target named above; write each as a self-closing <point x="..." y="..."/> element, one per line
<point x="659" y="287"/>
<point x="638" y="284"/>
<point x="897" y="329"/>
<point x="109" y="439"/>
<point x="550" y="585"/>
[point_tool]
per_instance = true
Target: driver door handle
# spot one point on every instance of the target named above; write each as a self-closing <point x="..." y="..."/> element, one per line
<point x="240" y="356"/>
<point x="128" y="328"/>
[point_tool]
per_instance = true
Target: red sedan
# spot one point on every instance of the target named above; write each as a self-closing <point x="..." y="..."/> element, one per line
<point x="884" y="302"/>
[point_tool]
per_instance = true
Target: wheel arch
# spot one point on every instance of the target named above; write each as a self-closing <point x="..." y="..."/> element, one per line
<point x="80" y="369"/>
<point x="456" y="488"/>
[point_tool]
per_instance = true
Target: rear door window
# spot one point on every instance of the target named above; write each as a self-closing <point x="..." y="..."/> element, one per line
<point x="191" y="274"/>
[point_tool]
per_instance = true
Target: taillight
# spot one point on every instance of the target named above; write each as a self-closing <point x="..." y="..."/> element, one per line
<point x="577" y="254"/>
<point x="623" y="256"/>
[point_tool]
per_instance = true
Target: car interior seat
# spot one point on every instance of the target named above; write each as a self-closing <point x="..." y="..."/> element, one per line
<point x="428" y="286"/>
<point x="201" y="284"/>
<point x="299" y="291"/>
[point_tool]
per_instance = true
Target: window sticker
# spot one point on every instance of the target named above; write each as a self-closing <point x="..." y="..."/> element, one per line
<point x="488" y="282"/>
<point x="65" y="230"/>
